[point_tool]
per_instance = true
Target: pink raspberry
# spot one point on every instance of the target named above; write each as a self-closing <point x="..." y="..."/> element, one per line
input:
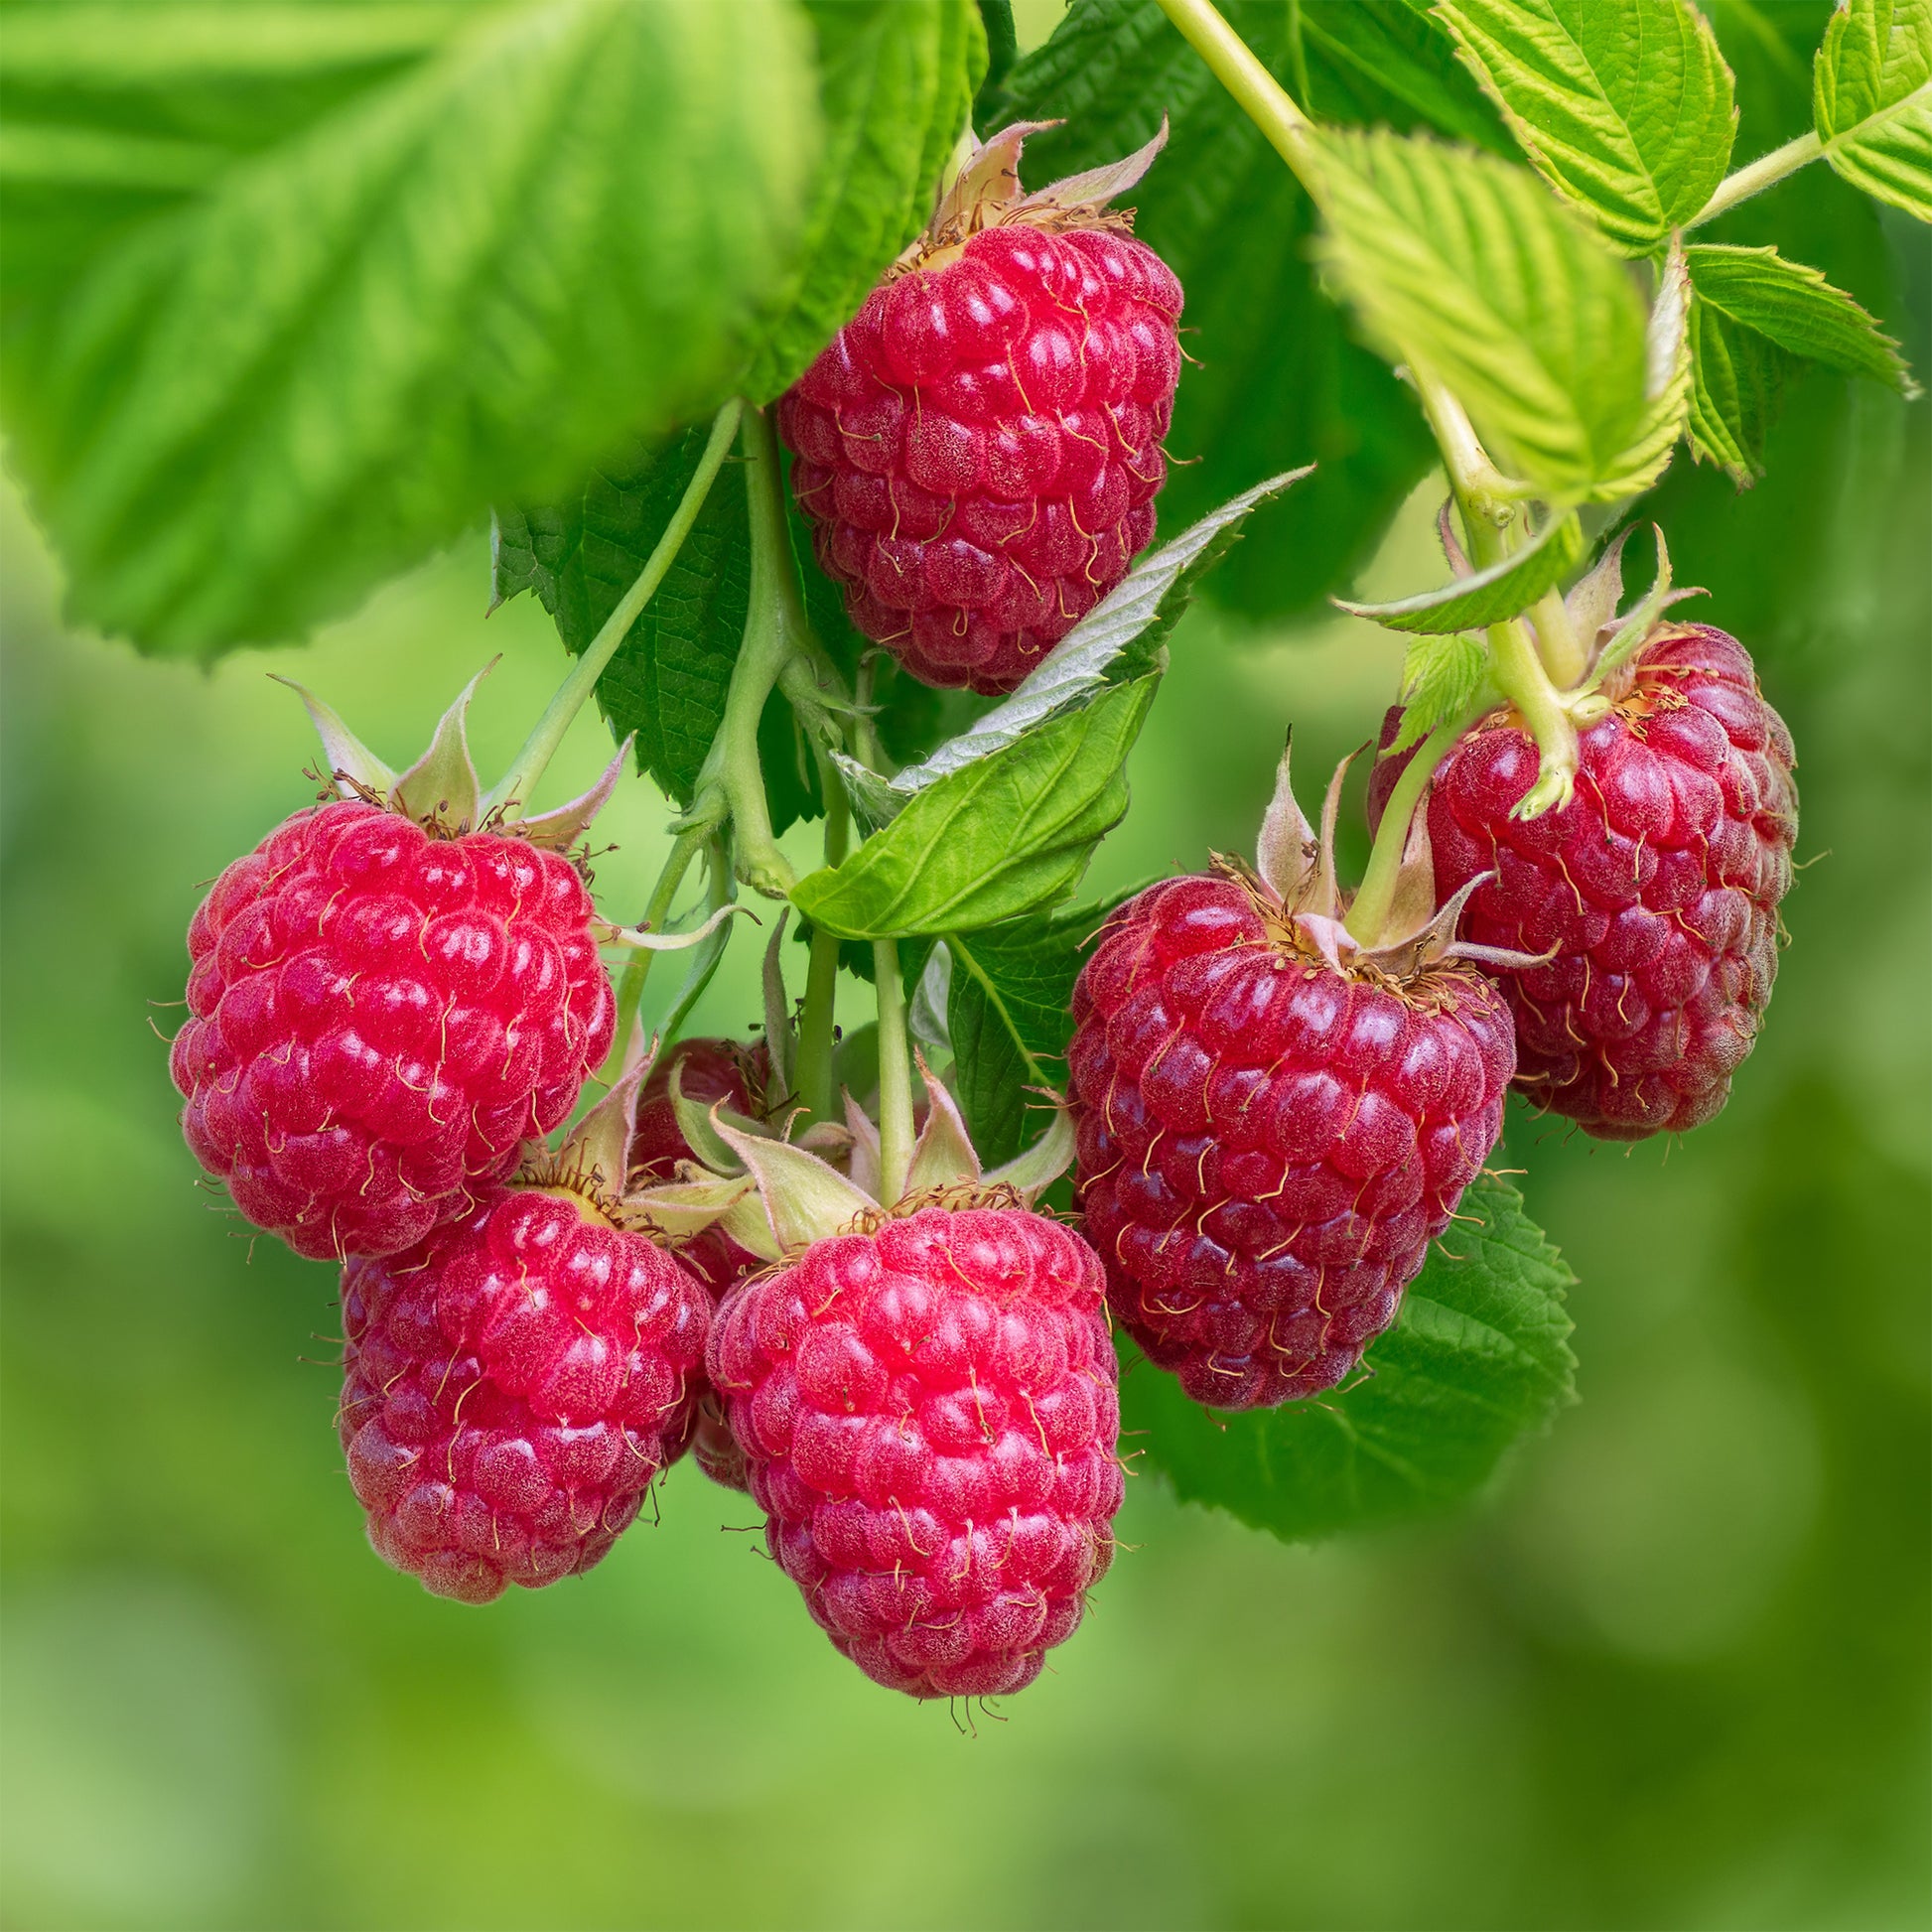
<point x="379" y="1018"/>
<point x="929" y="1418"/>
<point x="1658" y="884"/>
<point x="979" y="448"/>
<point x="1267" y="1143"/>
<point x="514" y="1385"/>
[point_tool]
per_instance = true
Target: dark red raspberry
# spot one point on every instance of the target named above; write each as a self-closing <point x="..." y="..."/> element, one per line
<point x="709" y="1070"/>
<point x="379" y="1018"/>
<point x="979" y="448"/>
<point x="514" y="1384"/>
<point x="1267" y="1142"/>
<point x="930" y="1422"/>
<point x="1658" y="882"/>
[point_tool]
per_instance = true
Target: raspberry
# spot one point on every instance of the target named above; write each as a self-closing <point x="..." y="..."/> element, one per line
<point x="929" y="1418"/>
<point x="1658" y="884"/>
<point x="979" y="448"/>
<point x="379" y="1017"/>
<point x="514" y="1384"/>
<point x="1268" y="1142"/>
<point x="709" y="1070"/>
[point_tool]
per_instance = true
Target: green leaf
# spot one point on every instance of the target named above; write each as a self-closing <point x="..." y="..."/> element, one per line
<point x="1794" y="307"/>
<point x="1277" y="379"/>
<point x="1440" y="677"/>
<point x="1757" y="319"/>
<point x="1623" y="105"/>
<point x="999" y="839"/>
<point x="1009" y="1012"/>
<point x="895" y="80"/>
<point x="1121" y="635"/>
<point x="668" y="679"/>
<point x="460" y="283"/>
<point x="1465" y="267"/>
<point x="1478" y="1359"/>
<point x="1493" y="596"/>
<point x="1872" y="99"/>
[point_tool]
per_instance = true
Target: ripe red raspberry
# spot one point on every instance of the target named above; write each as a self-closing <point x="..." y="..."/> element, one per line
<point x="930" y="1422"/>
<point x="1268" y="1141"/>
<point x="1658" y="882"/>
<point x="979" y="448"/>
<point x="379" y="1017"/>
<point x="709" y="1070"/>
<point x="514" y="1384"/>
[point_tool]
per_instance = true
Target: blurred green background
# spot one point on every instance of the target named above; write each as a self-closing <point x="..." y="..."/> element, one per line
<point x="1674" y="1672"/>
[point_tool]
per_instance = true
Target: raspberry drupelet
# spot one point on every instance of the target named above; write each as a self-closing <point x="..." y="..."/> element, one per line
<point x="1657" y="885"/>
<point x="1268" y="1142"/>
<point x="929" y="1416"/>
<point x="379" y="1017"/>
<point x="514" y="1385"/>
<point x="979" y="448"/>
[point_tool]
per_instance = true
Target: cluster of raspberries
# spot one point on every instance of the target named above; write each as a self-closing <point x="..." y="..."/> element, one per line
<point x="387" y="1017"/>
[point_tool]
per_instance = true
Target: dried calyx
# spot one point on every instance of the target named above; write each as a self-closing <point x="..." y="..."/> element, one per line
<point x="986" y="193"/>
<point x="802" y="1196"/>
<point x="1293" y="886"/>
<point x="442" y="794"/>
<point x="1611" y="642"/>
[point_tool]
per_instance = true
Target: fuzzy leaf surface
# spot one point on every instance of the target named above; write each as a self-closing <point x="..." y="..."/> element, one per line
<point x="998" y="839"/>
<point x="1121" y="635"/>
<point x="1624" y="106"/>
<point x="1504" y="590"/>
<point x="1465" y="266"/>
<point x="1478" y="1359"/>
<point x="1277" y="378"/>
<point x="459" y="284"/>
<point x="1756" y="320"/>
<point x="895" y="80"/>
<point x="1440" y="677"/>
<point x="1872" y="99"/>
<point x="668" y="679"/>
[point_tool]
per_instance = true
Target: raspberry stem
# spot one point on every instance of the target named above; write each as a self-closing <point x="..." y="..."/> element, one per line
<point x="732" y="775"/>
<point x="719" y="894"/>
<point x="894" y="1074"/>
<point x="541" y="745"/>
<point x="815" y="1022"/>
<point x="1256" y="91"/>
<point x="1369" y="913"/>
<point x="1765" y="171"/>
<point x="630" y="989"/>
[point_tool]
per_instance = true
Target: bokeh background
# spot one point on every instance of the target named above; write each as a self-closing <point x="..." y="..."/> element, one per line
<point x="1672" y="1673"/>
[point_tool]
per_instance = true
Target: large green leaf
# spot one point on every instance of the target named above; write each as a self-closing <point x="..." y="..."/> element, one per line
<point x="1277" y="382"/>
<point x="1466" y="268"/>
<point x="1756" y="318"/>
<point x="1872" y="99"/>
<point x="1010" y="1017"/>
<point x="998" y="839"/>
<point x="495" y="255"/>
<point x="1478" y="1359"/>
<point x="668" y="679"/>
<point x="1623" y="105"/>
<point x="896" y="80"/>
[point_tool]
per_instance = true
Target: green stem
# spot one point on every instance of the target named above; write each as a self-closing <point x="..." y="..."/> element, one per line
<point x="1765" y="171"/>
<point x="732" y="770"/>
<point x="1370" y="910"/>
<point x="1566" y="656"/>
<point x="1256" y="91"/>
<point x="816" y="1022"/>
<point x="710" y="950"/>
<point x="894" y="1074"/>
<point x="541" y="745"/>
<point x="630" y="989"/>
<point x="1486" y="498"/>
<point x="1518" y="673"/>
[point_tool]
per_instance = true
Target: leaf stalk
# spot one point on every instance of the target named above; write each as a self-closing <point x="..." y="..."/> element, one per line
<point x="1765" y="171"/>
